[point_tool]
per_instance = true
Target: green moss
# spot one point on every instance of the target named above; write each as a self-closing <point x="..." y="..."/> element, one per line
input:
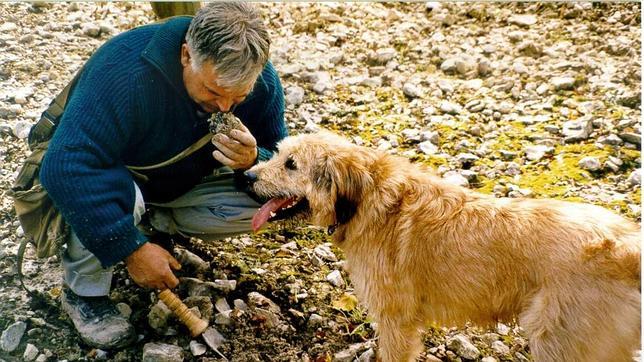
<point x="432" y="161"/>
<point x="616" y="113"/>
<point x="583" y="150"/>
<point x="554" y="178"/>
<point x="636" y="196"/>
<point x="486" y="185"/>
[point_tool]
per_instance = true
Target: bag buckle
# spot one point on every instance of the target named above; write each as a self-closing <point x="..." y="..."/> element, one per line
<point x="42" y="130"/>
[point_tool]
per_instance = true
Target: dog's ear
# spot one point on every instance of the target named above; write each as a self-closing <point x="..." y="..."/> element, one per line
<point x="322" y="176"/>
<point x="346" y="176"/>
<point x="344" y="210"/>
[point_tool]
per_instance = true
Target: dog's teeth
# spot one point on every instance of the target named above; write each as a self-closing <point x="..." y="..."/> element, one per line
<point x="273" y="214"/>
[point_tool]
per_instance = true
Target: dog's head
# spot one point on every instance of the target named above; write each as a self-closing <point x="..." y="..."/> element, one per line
<point x="321" y="177"/>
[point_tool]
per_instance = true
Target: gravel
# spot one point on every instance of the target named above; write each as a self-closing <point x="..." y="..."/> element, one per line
<point x="520" y="100"/>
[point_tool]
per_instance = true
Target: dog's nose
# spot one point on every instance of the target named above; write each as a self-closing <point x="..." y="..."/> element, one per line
<point x="250" y="176"/>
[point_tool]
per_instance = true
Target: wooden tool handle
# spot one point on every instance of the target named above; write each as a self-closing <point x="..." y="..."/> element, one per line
<point x="195" y="324"/>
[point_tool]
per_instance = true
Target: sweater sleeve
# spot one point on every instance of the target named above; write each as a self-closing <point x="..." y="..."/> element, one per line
<point x="83" y="170"/>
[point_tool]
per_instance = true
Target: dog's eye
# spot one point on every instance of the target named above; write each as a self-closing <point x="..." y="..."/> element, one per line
<point x="290" y="164"/>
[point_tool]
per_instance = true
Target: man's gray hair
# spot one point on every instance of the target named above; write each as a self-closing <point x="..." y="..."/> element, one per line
<point x="234" y="38"/>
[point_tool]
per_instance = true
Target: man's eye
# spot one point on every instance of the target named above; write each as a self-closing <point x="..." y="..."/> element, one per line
<point x="290" y="164"/>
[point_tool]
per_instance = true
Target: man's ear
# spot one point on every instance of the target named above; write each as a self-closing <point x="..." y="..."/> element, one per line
<point x="185" y="55"/>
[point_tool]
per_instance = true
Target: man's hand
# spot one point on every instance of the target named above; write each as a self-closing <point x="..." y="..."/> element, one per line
<point x="239" y="151"/>
<point x="150" y="267"/>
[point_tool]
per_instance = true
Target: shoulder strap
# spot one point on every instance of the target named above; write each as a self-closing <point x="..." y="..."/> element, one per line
<point x="43" y="130"/>
<point x="183" y="154"/>
<point x="38" y="297"/>
<point x="19" y="260"/>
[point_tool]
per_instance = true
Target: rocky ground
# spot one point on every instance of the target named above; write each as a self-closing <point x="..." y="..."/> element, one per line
<point x="518" y="100"/>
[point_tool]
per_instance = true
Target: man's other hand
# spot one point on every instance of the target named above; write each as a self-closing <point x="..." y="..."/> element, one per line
<point x="150" y="266"/>
<point x="239" y="151"/>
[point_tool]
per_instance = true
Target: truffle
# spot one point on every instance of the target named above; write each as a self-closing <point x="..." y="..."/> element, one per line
<point x="223" y="123"/>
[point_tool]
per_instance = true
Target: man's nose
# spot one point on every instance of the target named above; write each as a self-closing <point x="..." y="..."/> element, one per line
<point x="250" y="176"/>
<point x="224" y="105"/>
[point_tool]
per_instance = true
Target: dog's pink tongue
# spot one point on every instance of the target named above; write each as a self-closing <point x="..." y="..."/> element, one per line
<point x="264" y="212"/>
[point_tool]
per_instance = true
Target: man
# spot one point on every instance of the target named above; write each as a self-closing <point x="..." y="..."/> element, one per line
<point x="142" y="98"/>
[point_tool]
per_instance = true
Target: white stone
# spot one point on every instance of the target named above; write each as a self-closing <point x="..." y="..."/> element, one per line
<point x="240" y="305"/>
<point x="213" y="338"/>
<point x="432" y="5"/>
<point x="411" y="90"/>
<point x="124" y="310"/>
<point x="590" y="163"/>
<point x="450" y="108"/>
<point x="382" y="56"/>
<point x="410" y="134"/>
<point x="10" y="338"/>
<point x="463" y="347"/>
<point x="225" y="285"/>
<point x="500" y="348"/>
<point x="8" y="27"/>
<point x="523" y="20"/>
<point x="520" y="68"/>
<point x="563" y="83"/>
<point x="221" y="305"/>
<point x="294" y="95"/>
<point x="431" y="136"/>
<point x="325" y="252"/>
<point x="537" y="152"/>
<point x="335" y="278"/>
<point x="502" y="329"/>
<point x="321" y="86"/>
<point x="157" y="352"/>
<point x="473" y="84"/>
<point x="446" y="86"/>
<point x="542" y="89"/>
<point x="635" y="178"/>
<point x="428" y="148"/>
<point x="223" y="318"/>
<point x="91" y="29"/>
<point x="367" y="356"/>
<point x="349" y="354"/>
<point x="31" y="352"/>
<point x="197" y="349"/>
<point x="455" y="178"/>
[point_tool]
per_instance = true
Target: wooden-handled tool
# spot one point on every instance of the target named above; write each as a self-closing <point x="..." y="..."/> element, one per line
<point x="195" y="324"/>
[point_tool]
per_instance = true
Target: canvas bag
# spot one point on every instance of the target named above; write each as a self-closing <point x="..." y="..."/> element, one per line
<point x="43" y="225"/>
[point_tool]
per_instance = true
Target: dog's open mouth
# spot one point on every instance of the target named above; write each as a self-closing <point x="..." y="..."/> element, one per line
<point x="278" y="209"/>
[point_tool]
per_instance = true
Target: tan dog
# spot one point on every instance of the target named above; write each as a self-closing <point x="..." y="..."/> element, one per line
<point x="420" y="250"/>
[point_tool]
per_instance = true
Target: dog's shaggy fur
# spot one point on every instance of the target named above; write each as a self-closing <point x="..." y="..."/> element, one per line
<point x="420" y="250"/>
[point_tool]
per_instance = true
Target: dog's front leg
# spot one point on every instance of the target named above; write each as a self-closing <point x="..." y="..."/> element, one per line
<point x="398" y="341"/>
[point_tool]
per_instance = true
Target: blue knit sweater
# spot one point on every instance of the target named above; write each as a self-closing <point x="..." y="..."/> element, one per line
<point x="130" y="107"/>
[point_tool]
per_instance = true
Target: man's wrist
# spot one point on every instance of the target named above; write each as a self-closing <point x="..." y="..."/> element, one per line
<point x="128" y="258"/>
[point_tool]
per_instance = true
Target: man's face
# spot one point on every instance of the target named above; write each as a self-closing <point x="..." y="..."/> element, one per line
<point x="201" y="85"/>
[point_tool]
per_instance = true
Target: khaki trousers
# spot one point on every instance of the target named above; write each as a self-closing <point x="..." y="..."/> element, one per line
<point x="212" y="210"/>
